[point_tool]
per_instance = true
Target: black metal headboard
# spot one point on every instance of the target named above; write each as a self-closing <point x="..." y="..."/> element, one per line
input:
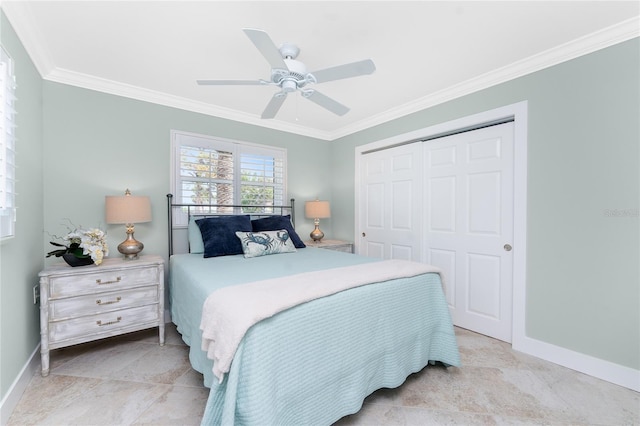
<point x="211" y="210"/>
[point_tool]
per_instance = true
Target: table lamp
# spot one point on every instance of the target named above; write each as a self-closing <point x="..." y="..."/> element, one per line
<point x="128" y="209"/>
<point x="317" y="210"/>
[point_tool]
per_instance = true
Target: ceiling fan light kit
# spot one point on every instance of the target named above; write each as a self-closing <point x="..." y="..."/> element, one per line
<point x="291" y="75"/>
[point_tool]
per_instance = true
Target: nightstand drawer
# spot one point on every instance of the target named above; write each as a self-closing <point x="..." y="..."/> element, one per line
<point x="90" y="283"/>
<point x="101" y="302"/>
<point x="335" y="245"/>
<point x="105" y="323"/>
<point x="346" y="248"/>
<point x="87" y="303"/>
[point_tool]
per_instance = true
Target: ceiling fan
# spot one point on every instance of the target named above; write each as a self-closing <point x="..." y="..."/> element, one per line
<point x="290" y="75"/>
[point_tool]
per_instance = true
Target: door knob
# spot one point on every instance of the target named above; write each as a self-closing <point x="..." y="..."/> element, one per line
<point x="507" y="247"/>
<point x="364" y="235"/>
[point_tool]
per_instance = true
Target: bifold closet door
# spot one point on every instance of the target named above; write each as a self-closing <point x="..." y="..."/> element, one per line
<point x="390" y="206"/>
<point x="468" y="205"/>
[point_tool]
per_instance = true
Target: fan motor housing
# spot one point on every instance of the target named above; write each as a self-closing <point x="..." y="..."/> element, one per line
<point x="294" y="77"/>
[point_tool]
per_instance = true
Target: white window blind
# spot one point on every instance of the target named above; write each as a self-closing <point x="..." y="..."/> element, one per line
<point x="206" y="175"/>
<point x="261" y="178"/>
<point x="209" y="170"/>
<point x="7" y="146"/>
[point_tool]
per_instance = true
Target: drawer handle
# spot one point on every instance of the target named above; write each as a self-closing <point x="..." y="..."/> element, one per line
<point x="100" y="323"/>
<point x="99" y="281"/>
<point x="110" y="302"/>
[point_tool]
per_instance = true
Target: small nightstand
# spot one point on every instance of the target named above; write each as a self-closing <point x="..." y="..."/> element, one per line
<point x="87" y="303"/>
<point x="336" y="245"/>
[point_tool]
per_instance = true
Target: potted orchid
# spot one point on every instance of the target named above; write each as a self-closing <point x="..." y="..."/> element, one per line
<point x="82" y="247"/>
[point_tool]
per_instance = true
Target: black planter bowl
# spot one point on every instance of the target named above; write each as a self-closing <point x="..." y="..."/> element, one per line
<point x="73" y="260"/>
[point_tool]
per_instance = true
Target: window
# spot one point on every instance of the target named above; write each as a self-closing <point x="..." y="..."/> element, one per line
<point x="7" y="146"/>
<point x="207" y="170"/>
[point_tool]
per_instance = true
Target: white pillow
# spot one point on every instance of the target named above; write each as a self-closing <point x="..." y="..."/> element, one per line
<point x="263" y="243"/>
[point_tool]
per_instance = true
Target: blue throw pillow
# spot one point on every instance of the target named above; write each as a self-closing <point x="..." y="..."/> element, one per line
<point x="219" y="234"/>
<point x="275" y="223"/>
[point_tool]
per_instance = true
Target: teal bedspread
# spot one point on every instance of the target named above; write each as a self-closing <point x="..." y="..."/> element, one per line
<point x="316" y="362"/>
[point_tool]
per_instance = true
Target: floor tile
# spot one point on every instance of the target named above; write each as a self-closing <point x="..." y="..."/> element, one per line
<point x="65" y="400"/>
<point x="180" y="406"/>
<point x="131" y="380"/>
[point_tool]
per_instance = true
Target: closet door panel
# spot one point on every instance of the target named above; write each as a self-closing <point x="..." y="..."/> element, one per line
<point x="390" y="194"/>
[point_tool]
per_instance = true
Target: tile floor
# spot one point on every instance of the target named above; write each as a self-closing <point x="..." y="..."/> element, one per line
<point x="130" y="380"/>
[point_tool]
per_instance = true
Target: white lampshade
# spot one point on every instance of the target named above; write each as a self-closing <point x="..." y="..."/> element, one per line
<point x="317" y="209"/>
<point x="127" y="209"/>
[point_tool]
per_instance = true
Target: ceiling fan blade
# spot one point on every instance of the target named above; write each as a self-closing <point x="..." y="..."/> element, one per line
<point x="229" y="82"/>
<point x="326" y="102"/>
<point x="266" y="46"/>
<point x="274" y="105"/>
<point x="339" y="72"/>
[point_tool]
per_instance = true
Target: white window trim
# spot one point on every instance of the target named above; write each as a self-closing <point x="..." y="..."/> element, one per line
<point x="206" y="141"/>
<point x="7" y="147"/>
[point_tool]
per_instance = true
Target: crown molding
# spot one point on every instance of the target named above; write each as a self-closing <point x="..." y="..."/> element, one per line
<point x="35" y="45"/>
<point x="19" y="15"/>
<point x="159" y="98"/>
<point x="606" y="37"/>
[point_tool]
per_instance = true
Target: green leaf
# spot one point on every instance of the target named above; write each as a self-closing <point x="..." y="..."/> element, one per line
<point x="57" y="253"/>
<point x="77" y="252"/>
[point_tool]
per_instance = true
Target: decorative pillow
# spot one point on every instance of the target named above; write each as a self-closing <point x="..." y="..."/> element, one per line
<point x="219" y="234"/>
<point x="195" y="236"/>
<point x="274" y="223"/>
<point x="256" y="244"/>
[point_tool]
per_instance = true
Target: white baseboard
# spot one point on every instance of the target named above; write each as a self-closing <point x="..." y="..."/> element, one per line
<point x="595" y="367"/>
<point x="19" y="385"/>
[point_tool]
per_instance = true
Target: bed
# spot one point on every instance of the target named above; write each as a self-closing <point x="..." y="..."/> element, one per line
<point x="314" y="360"/>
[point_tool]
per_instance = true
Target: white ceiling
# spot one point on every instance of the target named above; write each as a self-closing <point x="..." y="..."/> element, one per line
<point x="426" y="52"/>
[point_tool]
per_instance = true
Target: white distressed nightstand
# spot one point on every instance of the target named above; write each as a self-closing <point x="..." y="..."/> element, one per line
<point x="336" y="245"/>
<point x="87" y="303"/>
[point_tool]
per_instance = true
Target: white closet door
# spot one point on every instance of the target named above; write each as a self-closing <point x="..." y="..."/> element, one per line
<point x="468" y="205"/>
<point x="390" y="194"/>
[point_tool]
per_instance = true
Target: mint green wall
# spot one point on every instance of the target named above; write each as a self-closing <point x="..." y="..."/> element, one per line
<point x="21" y="257"/>
<point x="583" y="278"/>
<point x="77" y="145"/>
<point x="98" y="144"/>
